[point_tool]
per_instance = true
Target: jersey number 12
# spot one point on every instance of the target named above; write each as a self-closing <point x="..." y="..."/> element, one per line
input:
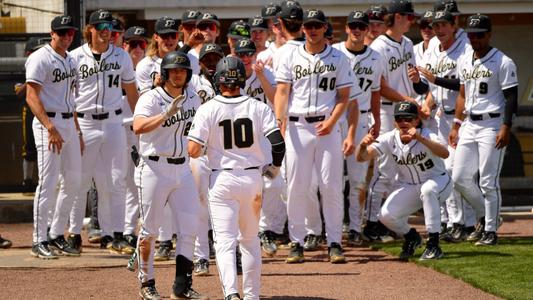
<point x="239" y="132"/>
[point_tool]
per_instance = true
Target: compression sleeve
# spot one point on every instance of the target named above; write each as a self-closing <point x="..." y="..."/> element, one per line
<point x="278" y="147"/>
<point x="448" y="83"/>
<point x="511" y="103"/>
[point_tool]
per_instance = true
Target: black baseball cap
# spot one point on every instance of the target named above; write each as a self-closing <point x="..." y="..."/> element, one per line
<point x="190" y="16"/>
<point x="166" y="25"/>
<point x="210" y="48"/>
<point x="314" y="15"/>
<point x="100" y="16"/>
<point x="62" y="22"/>
<point x="478" y="23"/>
<point x="443" y="16"/>
<point x="427" y="17"/>
<point x="401" y="7"/>
<point x="376" y="14"/>
<point x="358" y="16"/>
<point x="406" y="109"/>
<point x="270" y="11"/>
<point x="245" y="46"/>
<point x="208" y="17"/>
<point x="258" y="23"/>
<point x="238" y="30"/>
<point x="34" y="43"/>
<point x="448" y="5"/>
<point x="117" y="25"/>
<point x="135" y="32"/>
<point x="291" y="10"/>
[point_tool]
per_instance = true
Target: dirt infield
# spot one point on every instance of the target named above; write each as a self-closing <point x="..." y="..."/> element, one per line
<point x="368" y="274"/>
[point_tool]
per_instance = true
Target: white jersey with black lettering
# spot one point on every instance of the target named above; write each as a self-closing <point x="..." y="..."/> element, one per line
<point x="460" y="34"/>
<point x="232" y="129"/>
<point x="99" y="86"/>
<point x="203" y="87"/>
<point x="485" y="79"/>
<point x="56" y="75"/>
<point x="170" y="140"/>
<point x="254" y="89"/>
<point x="146" y="71"/>
<point x="284" y="50"/>
<point x="315" y="80"/>
<point x="396" y="57"/>
<point x="195" y="62"/>
<point x="267" y="55"/>
<point x="414" y="162"/>
<point x="367" y="69"/>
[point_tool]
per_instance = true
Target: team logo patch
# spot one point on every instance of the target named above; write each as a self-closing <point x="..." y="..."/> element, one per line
<point x="312" y="13"/>
<point x="270" y="10"/>
<point x="170" y="23"/>
<point x="428" y="14"/>
<point x="403" y="106"/>
<point x="138" y="31"/>
<point x="210" y="47"/>
<point x="103" y="15"/>
<point x="244" y="43"/>
<point x="438" y="14"/>
<point x="192" y="14"/>
<point x="358" y="14"/>
<point x="207" y="16"/>
<point x="257" y="22"/>
<point x="179" y="60"/>
<point x="65" y="20"/>
<point x="474" y="22"/>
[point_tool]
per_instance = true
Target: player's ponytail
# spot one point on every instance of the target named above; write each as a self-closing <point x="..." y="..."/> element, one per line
<point x="153" y="48"/>
<point x="87" y="34"/>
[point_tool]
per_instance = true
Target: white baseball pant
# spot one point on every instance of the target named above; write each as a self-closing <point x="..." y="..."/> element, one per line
<point x="132" y="195"/>
<point x="273" y="210"/>
<point x="201" y="174"/>
<point x="313" y="220"/>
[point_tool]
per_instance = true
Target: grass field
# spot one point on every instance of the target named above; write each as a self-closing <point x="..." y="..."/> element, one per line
<point x="505" y="270"/>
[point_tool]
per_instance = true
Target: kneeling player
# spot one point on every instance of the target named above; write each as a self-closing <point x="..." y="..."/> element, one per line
<point x="422" y="180"/>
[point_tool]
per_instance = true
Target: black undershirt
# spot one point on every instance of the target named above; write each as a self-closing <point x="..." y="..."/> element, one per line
<point x="357" y="52"/>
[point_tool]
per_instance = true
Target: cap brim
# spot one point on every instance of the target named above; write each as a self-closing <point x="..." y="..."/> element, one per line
<point x="410" y="115"/>
<point x="99" y="22"/>
<point x="474" y="30"/>
<point x="357" y="21"/>
<point x="166" y="31"/>
<point x="208" y="21"/>
<point x="314" y="21"/>
<point x="258" y="28"/>
<point x="64" y="27"/>
<point x="376" y="21"/>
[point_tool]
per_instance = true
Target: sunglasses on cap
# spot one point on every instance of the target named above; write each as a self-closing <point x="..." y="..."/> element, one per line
<point x="170" y="35"/>
<point x="104" y="26"/>
<point x="400" y="119"/>
<point x="425" y="25"/>
<point x="313" y="25"/>
<point x="357" y="25"/>
<point x="245" y="54"/>
<point x="207" y="25"/>
<point x="63" y="32"/>
<point x="189" y="26"/>
<point x="476" y="35"/>
<point x="137" y="43"/>
<point x="410" y="17"/>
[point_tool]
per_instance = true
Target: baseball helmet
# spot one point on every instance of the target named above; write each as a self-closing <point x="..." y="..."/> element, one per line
<point x="176" y="60"/>
<point x="230" y="72"/>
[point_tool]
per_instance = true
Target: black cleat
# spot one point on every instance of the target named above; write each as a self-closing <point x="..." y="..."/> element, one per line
<point x="296" y="254"/>
<point x="74" y="241"/>
<point x="311" y="242"/>
<point x="189" y="293"/>
<point x="106" y="241"/>
<point x="63" y="246"/>
<point x="411" y="242"/>
<point x="354" y="238"/>
<point x="489" y="238"/>
<point x="234" y="296"/>
<point x="163" y="252"/>
<point x="148" y="291"/>
<point x="41" y="250"/>
<point x="432" y="251"/>
<point x="201" y="267"/>
<point x="131" y="239"/>
<point x="335" y="254"/>
<point x="478" y="233"/>
<point x="4" y="244"/>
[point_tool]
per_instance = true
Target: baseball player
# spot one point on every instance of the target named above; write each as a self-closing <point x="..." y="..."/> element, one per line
<point x="162" y="118"/>
<point x="237" y="30"/>
<point x="208" y="25"/>
<point x="485" y="107"/>
<point x="188" y="25"/>
<point x="421" y="182"/>
<point x="450" y="6"/>
<point x="367" y="71"/>
<point x="259" y="32"/>
<point x="439" y="66"/>
<point x="50" y="78"/>
<point x="117" y="33"/>
<point x="231" y="126"/>
<point x="376" y="17"/>
<point x="277" y="39"/>
<point x="319" y="79"/>
<point x="427" y="33"/>
<point x="290" y="19"/>
<point x="103" y="71"/>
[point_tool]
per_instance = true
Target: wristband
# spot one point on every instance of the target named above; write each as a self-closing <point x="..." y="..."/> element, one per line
<point x="457" y="121"/>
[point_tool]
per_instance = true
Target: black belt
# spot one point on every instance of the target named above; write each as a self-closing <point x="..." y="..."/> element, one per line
<point x="308" y="119"/>
<point x="364" y="111"/>
<point x="63" y="115"/>
<point x="101" y="116"/>
<point x="170" y="160"/>
<point x="449" y="112"/>
<point x="230" y="169"/>
<point x="386" y="103"/>
<point x="481" y="117"/>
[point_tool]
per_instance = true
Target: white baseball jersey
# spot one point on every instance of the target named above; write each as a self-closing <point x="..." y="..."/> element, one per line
<point x="415" y="163"/>
<point x="170" y="140"/>
<point x="444" y="64"/>
<point x="99" y="82"/>
<point x="146" y="71"/>
<point x="367" y="69"/>
<point x="195" y="62"/>
<point x="56" y="75"/>
<point x="203" y="87"/>
<point x="418" y="49"/>
<point x="254" y="89"/>
<point x="233" y="127"/>
<point x="267" y="54"/>
<point x="284" y="50"/>
<point x="484" y="79"/>
<point x="396" y="57"/>
<point x="315" y="79"/>
<point x="460" y="34"/>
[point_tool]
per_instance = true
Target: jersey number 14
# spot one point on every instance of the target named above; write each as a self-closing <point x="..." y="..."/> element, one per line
<point x="239" y="132"/>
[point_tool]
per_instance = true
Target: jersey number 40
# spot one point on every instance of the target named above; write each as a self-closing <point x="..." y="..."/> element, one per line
<point x="239" y="132"/>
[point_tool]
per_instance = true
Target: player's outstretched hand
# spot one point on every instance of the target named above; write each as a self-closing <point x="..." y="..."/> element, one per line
<point x="270" y="171"/>
<point x="368" y="139"/>
<point x="374" y="130"/>
<point x="259" y="68"/>
<point x="503" y="138"/>
<point x="173" y="107"/>
<point x="195" y="39"/>
<point x="55" y="141"/>
<point x="426" y="73"/>
<point x="413" y="74"/>
<point x="324" y="127"/>
<point x="453" y="137"/>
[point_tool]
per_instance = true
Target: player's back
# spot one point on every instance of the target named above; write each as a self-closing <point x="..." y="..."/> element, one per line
<point x="233" y="128"/>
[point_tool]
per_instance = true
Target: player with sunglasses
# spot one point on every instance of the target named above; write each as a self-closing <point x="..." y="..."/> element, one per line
<point x="376" y="17"/>
<point x="426" y="32"/>
<point x="422" y="181"/>
<point x="237" y="31"/>
<point x="484" y="112"/>
<point x="188" y="25"/>
<point x="117" y="33"/>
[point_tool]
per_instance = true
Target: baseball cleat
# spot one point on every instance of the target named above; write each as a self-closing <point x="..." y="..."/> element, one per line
<point x="74" y="241"/>
<point x="267" y="243"/>
<point x="489" y="238"/>
<point x="131" y="239"/>
<point x="234" y="296"/>
<point x="189" y="293"/>
<point x="296" y="254"/>
<point x="4" y="244"/>
<point x="201" y="267"/>
<point x="432" y="252"/>
<point x="311" y="242"/>
<point x="95" y="236"/>
<point x="121" y="246"/>
<point x="335" y="254"/>
<point x="478" y="233"/>
<point x="41" y="250"/>
<point x="63" y="247"/>
<point x="149" y="292"/>
<point x="412" y="241"/>
<point x="354" y="238"/>
<point x="105" y="242"/>
<point x="456" y="234"/>
<point x="163" y="252"/>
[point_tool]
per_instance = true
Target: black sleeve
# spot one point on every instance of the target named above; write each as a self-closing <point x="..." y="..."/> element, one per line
<point x="448" y="83"/>
<point x="511" y="104"/>
<point x="185" y="48"/>
<point x="278" y="147"/>
<point x="421" y="87"/>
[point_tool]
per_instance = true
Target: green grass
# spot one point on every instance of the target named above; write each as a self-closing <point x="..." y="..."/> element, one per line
<point x="505" y="270"/>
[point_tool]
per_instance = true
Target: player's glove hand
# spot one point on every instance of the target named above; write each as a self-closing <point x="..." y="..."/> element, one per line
<point x="270" y="171"/>
<point x="173" y="107"/>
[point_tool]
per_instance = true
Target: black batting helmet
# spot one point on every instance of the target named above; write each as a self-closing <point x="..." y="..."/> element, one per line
<point x="230" y="72"/>
<point x="175" y="60"/>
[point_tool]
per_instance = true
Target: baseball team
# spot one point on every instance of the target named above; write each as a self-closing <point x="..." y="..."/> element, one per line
<point x="230" y="153"/>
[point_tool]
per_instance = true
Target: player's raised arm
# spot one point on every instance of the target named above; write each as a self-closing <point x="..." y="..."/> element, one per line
<point x="363" y="152"/>
<point x="281" y="101"/>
